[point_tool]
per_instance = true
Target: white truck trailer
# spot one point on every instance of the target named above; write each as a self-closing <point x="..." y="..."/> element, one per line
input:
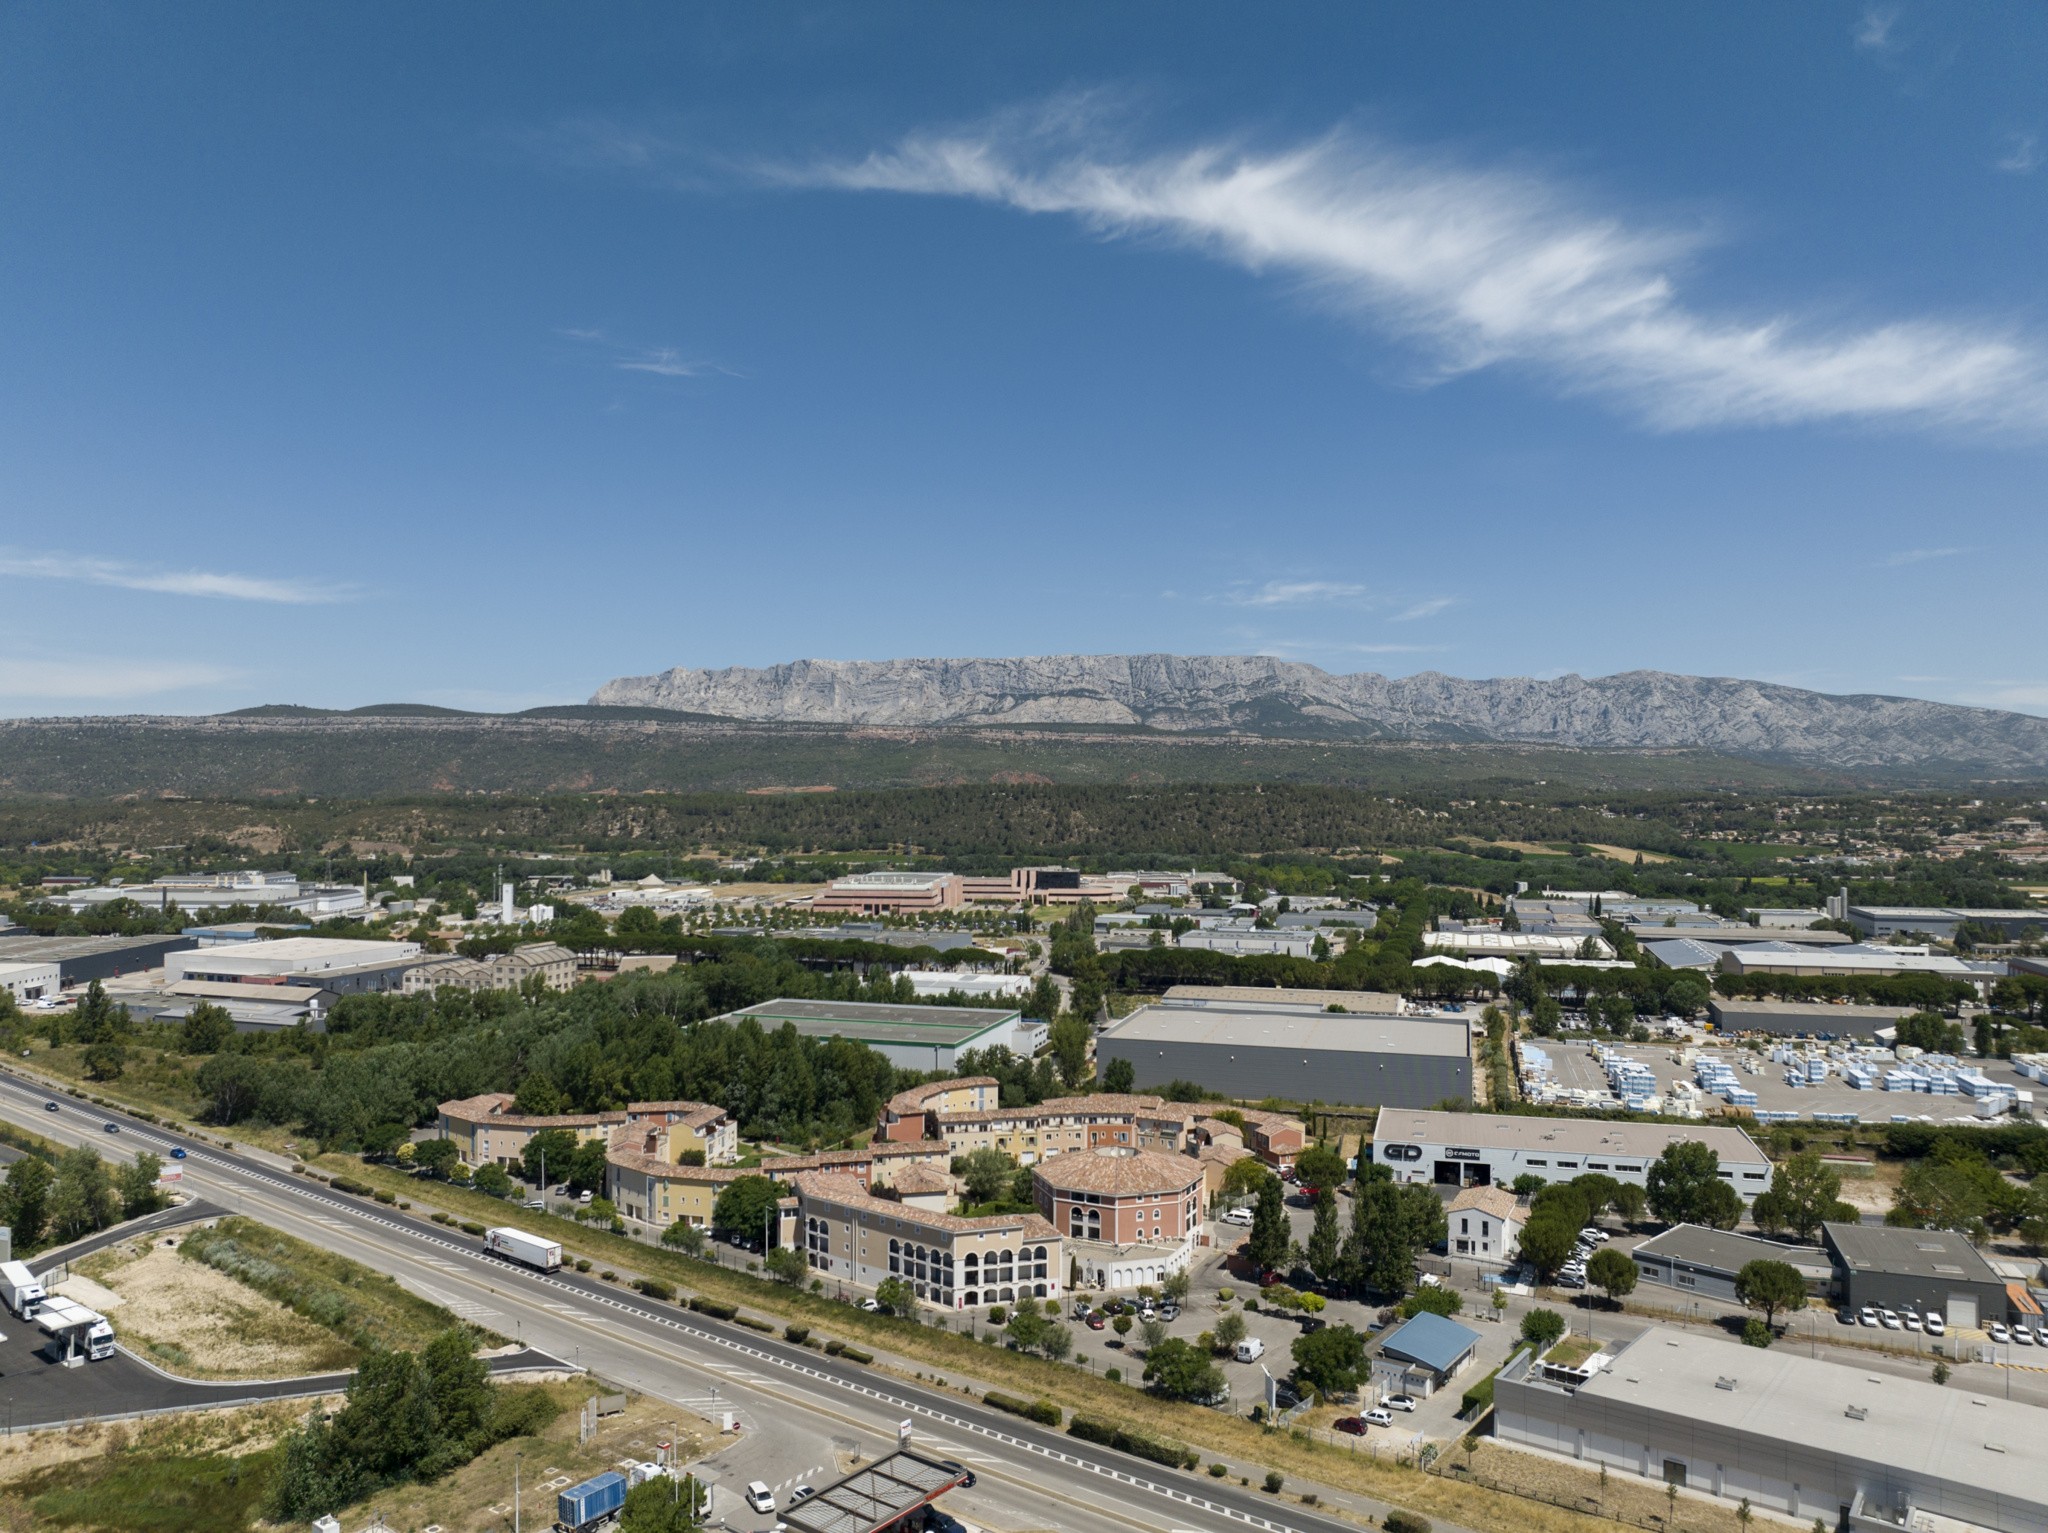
<point x="528" y="1250"/>
<point x="19" y="1288"/>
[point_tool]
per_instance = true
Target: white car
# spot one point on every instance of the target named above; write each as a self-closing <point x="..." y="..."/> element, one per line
<point x="1594" y="1235"/>
<point x="2023" y="1336"/>
<point x="1238" y="1216"/>
<point x="1399" y="1402"/>
<point x="1998" y="1331"/>
<point x="1891" y="1320"/>
<point x="1379" y="1417"/>
<point x="760" y="1497"/>
<point x="1936" y="1325"/>
<point x="1912" y="1320"/>
<point x="1867" y="1316"/>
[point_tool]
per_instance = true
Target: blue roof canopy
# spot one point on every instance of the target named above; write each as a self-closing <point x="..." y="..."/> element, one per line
<point x="1431" y="1340"/>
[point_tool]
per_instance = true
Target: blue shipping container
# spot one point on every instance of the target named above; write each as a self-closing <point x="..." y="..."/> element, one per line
<point x="600" y="1496"/>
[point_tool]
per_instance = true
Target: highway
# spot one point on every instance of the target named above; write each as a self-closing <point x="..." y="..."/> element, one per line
<point x="797" y="1408"/>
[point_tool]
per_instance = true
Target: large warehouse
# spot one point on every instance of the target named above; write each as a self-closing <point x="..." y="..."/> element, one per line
<point x="1468" y="1149"/>
<point x="1251" y="1052"/>
<point x="1933" y="1271"/>
<point x="909" y="1037"/>
<point x="80" y="960"/>
<point x="1846" y="1447"/>
<point x="1809" y="1019"/>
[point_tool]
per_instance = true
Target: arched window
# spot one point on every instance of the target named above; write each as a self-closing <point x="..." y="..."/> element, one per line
<point x="970" y="1260"/>
<point x="969" y="1297"/>
<point x="1038" y="1289"/>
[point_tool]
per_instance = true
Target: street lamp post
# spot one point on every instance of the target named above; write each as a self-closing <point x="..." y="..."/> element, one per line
<point x="515" y="1491"/>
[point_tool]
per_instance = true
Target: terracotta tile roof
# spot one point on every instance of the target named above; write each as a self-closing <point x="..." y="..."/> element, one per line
<point x="1498" y="1201"/>
<point x="689" y="1114"/>
<point x="920" y="1179"/>
<point x="848" y="1193"/>
<point x="1104" y="1104"/>
<point x="1119" y="1171"/>
<point x="904" y="1103"/>
<point x="490" y="1110"/>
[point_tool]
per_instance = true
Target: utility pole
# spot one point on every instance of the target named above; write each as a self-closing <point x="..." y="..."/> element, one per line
<point x="515" y="1491"/>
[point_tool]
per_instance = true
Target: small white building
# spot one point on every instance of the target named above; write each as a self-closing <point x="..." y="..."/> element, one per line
<point x="29" y="981"/>
<point x="1485" y="1225"/>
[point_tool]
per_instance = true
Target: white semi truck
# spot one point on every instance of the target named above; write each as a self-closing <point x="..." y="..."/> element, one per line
<point x="18" y="1286"/>
<point x="527" y="1250"/>
<point x="77" y="1329"/>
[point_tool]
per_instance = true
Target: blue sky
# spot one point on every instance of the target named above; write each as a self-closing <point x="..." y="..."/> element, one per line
<point x="478" y="354"/>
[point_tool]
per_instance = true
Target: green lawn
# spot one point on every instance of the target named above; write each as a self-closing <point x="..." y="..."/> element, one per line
<point x="135" y="1493"/>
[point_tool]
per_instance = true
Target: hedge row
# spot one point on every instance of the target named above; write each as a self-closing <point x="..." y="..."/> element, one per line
<point x="1160" y="1450"/>
<point x="655" y="1288"/>
<point x="1043" y="1412"/>
<point x="717" y="1309"/>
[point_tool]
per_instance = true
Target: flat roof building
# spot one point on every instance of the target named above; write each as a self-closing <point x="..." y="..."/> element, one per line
<point x="1698" y="1260"/>
<point x="1293" y="1053"/>
<point x="1941" y="921"/>
<point x="342" y="965"/>
<point x="1775" y="958"/>
<point x="1803" y="1018"/>
<point x="909" y="1037"/>
<point x="1454" y="1149"/>
<point x="1376" y="1002"/>
<point x="1818" y="1441"/>
<point x="80" y="960"/>
<point x="29" y="981"/>
<point x="892" y="893"/>
<point x="1934" y="1271"/>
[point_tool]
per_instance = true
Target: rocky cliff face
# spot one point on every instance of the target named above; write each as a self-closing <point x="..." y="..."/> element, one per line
<point x="1637" y="709"/>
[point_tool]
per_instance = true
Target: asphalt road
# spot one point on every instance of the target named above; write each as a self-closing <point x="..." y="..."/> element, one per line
<point x="799" y="1410"/>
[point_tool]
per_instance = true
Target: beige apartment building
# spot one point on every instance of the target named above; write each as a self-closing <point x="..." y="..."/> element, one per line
<point x="650" y="1187"/>
<point x="857" y="1238"/>
<point x="1030" y="1134"/>
<point x="489" y="1130"/>
<point x="553" y="964"/>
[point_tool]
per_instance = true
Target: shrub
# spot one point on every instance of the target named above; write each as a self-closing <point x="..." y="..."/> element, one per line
<point x="1217" y="1471"/>
<point x="764" y="1326"/>
<point x="1160" y="1450"/>
<point x="609" y="1277"/>
<point x="855" y="1355"/>
<point x="384" y="1197"/>
<point x="1755" y="1332"/>
<point x="582" y="1264"/>
<point x="1274" y="1482"/>
<point x="440" y="1218"/>
<point x="717" y="1309"/>
<point x="1399" y="1521"/>
<point x="834" y="1347"/>
<point x="655" y="1288"/>
<point x="471" y="1227"/>
<point x="1114" y="1375"/>
<point x="1044" y="1412"/>
<point x="796" y="1333"/>
<point x="997" y="1315"/>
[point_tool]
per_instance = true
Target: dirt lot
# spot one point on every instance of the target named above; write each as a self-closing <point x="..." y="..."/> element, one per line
<point x="191" y="1320"/>
<point x="249" y="1430"/>
<point x="1637" y="1500"/>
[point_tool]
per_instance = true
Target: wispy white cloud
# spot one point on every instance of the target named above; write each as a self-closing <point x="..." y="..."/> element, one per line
<point x="1423" y="609"/>
<point x="1293" y="593"/>
<point x="1874" y="27"/>
<point x="96" y="680"/>
<point x="661" y="361"/>
<point x="1899" y="558"/>
<point x="1477" y="267"/>
<point x="2023" y="154"/>
<point x="138" y="577"/>
<point x="2018" y="696"/>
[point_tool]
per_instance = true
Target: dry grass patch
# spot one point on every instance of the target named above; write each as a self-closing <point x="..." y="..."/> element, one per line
<point x="192" y="1320"/>
<point x="1627" y="1496"/>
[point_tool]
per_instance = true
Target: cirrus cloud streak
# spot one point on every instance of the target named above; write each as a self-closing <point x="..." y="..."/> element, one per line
<point x="1478" y="268"/>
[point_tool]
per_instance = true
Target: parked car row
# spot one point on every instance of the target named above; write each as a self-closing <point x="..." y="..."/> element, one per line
<point x="1893" y="1320"/>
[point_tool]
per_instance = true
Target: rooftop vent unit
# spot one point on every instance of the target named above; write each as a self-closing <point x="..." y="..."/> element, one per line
<point x="1857" y="1413"/>
<point x="1724" y="1382"/>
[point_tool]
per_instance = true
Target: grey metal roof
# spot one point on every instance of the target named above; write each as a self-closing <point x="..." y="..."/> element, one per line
<point x="1933" y="1254"/>
<point x="878" y="1021"/>
<point x="1778" y="1396"/>
<point x="32" y="949"/>
<point x="1567" y="1136"/>
<point x="1685" y="953"/>
<point x="1820" y="1011"/>
<point x="1248" y="1026"/>
<point x="872" y="1498"/>
<point x="1725" y="1251"/>
<point x="1431" y="1340"/>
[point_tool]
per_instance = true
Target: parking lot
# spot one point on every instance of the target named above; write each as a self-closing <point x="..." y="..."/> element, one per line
<point x="1574" y="1067"/>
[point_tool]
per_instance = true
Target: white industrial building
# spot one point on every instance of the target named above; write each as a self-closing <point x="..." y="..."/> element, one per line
<point x="270" y="962"/>
<point x="1459" y="1149"/>
<point x="29" y="981"/>
<point x="1841" y="1446"/>
<point x="214" y="891"/>
<point x="924" y="982"/>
